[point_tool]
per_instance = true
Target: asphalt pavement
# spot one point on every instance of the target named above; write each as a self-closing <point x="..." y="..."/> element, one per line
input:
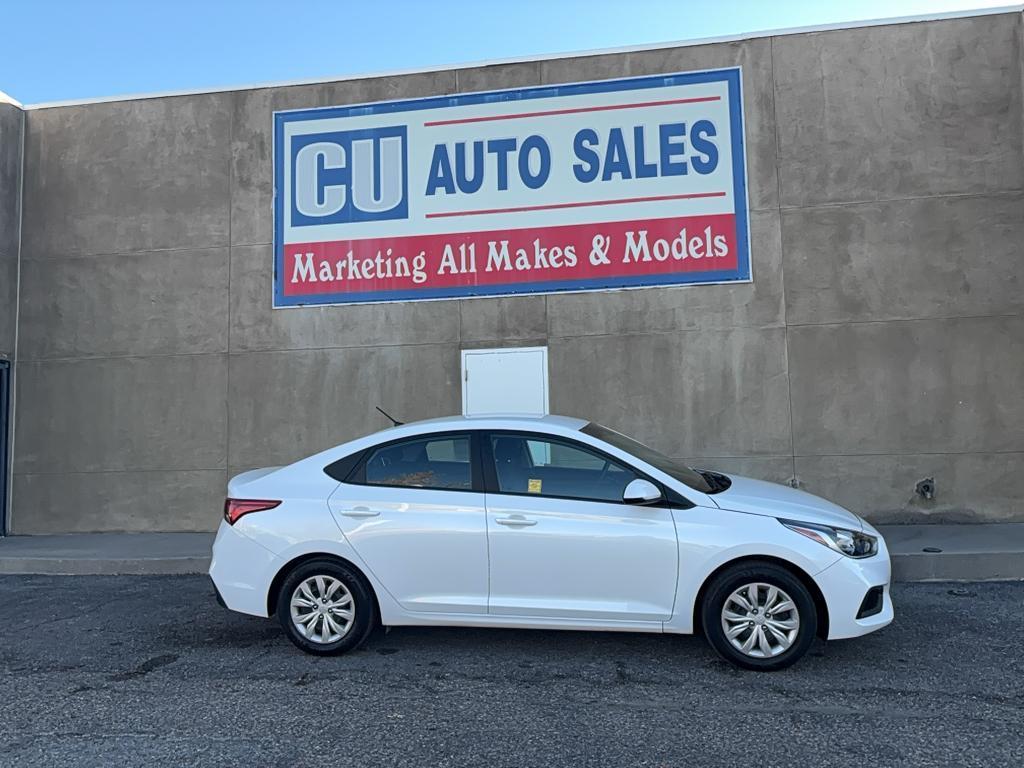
<point x="148" y="670"/>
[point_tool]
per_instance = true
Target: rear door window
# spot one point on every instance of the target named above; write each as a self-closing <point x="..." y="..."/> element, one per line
<point x="441" y="463"/>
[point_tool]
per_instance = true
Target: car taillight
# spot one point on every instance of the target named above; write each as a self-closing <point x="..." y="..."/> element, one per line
<point x="236" y="508"/>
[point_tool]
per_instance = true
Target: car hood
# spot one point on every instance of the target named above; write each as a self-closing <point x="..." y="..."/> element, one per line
<point x="758" y="497"/>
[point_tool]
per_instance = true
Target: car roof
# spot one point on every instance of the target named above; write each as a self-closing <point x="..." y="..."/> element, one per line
<point x="495" y="421"/>
<point x="555" y="425"/>
<point x="513" y="420"/>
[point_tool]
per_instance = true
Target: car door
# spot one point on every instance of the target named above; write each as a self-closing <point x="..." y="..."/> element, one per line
<point x="563" y="544"/>
<point x="414" y="511"/>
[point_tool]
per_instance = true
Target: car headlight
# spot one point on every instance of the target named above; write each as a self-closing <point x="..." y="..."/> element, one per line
<point x="850" y="543"/>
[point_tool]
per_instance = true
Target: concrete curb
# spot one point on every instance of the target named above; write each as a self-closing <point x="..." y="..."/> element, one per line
<point x="106" y="554"/>
<point x="977" y="566"/>
<point x="985" y="552"/>
<point x="63" y="566"/>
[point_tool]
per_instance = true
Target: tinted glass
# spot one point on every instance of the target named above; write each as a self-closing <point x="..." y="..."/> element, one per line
<point x="670" y="467"/>
<point x="439" y="463"/>
<point x="536" y="466"/>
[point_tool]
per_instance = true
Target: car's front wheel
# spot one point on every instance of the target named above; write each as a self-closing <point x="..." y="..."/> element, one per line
<point x="325" y="607"/>
<point x="759" y="616"/>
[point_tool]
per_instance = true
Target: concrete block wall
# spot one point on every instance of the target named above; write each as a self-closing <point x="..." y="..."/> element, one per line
<point x="900" y="178"/>
<point x="881" y="341"/>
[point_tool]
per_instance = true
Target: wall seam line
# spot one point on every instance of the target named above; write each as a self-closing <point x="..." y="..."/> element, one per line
<point x="227" y="330"/>
<point x="782" y="263"/>
<point x="550" y="337"/>
<point x="976" y="452"/>
<point x="1011" y="192"/>
<point x="138" y="252"/>
<point x="160" y="470"/>
<point x="90" y="358"/>
<point x="940" y="318"/>
<point x="688" y="457"/>
<point x="274" y="350"/>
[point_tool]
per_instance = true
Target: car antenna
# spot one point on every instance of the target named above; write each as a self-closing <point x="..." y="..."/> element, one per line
<point x="388" y="416"/>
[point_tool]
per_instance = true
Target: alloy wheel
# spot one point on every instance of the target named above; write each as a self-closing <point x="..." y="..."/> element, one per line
<point x="760" y="620"/>
<point x="322" y="609"/>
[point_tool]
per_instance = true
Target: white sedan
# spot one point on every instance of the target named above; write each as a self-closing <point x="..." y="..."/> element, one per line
<point x="544" y="523"/>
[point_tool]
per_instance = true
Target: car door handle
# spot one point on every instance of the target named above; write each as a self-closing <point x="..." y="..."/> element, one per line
<point x="516" y="521"/>
<point x="360" y="512"/>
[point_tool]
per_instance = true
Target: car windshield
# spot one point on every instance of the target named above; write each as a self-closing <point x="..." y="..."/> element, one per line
<point x="671" y="467"/>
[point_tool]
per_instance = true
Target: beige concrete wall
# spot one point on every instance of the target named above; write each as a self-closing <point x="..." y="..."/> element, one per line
<point x="882" y="339"/>
<point x="900" y="175"/>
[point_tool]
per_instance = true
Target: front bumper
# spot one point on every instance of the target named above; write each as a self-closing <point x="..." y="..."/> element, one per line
<point x="845" y="584"/>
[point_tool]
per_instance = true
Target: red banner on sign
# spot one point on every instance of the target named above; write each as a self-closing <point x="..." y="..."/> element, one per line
<point x="535" y="255"/>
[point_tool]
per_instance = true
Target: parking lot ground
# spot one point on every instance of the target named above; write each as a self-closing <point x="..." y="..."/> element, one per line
<point x="132" y="670"/>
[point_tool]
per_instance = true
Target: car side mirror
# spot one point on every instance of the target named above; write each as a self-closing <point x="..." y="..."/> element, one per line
<point x="641" y="492"/>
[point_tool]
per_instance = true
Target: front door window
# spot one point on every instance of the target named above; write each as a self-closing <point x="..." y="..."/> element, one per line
<point x="553" y="468"/>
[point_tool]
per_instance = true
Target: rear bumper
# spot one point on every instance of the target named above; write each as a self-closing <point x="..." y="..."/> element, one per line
<point x="845" y="584"/>
<point x="242" y="571"/>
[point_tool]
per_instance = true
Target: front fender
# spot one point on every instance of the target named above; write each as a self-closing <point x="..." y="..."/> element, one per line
<point x="709" y="538"/>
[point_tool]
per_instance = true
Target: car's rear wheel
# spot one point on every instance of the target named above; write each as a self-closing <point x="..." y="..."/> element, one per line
<point x="325" y="607"/>
<point x="759" y="616"/>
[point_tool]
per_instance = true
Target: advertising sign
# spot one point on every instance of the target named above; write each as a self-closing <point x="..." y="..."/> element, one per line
<point x="610" y="184"/>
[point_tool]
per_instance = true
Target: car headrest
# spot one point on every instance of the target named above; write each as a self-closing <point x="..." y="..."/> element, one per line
<point x="510" y="451"/>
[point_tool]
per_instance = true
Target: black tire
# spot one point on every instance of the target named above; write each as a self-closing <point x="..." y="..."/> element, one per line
<point x="726" y="583"/>
<point x="364" y="613"/>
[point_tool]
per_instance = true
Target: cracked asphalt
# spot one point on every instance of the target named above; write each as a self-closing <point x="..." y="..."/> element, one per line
<point x="130" y="671"/>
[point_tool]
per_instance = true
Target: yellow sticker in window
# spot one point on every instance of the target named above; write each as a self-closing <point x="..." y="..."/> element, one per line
<point x="533" y="486"/>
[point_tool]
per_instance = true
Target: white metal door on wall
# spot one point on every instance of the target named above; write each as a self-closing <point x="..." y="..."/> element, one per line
<point x="507" y="381"/>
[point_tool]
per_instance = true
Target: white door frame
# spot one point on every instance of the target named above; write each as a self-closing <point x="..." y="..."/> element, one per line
<point x="505" y="350"/>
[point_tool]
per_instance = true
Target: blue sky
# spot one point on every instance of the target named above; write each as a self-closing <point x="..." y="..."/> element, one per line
<point x="73" y="49"/>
